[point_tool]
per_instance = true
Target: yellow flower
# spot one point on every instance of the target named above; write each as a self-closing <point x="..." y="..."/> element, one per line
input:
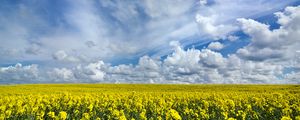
<point x="85" y="116"/>
<point x="62" y="115"/>
<point x="51" y="114"/>
<point x="286" y="118"/>
<point x="231" y="119"/>
<point x="98" y="118"/>
<point x="143" y="115"/>
<point x="174" y="115"/>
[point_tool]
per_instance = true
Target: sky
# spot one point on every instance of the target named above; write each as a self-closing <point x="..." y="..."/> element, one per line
<point x="150" y="41"/>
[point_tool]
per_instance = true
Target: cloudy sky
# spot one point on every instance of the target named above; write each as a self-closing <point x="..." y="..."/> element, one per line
<point x="150" y="41"/>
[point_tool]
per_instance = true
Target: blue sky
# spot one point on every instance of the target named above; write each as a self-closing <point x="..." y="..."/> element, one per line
<point x="163" y="41"/>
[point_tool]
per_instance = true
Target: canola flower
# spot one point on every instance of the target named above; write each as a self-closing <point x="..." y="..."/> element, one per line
<point x="62" y="115"/>
<point x="155" y="102"/>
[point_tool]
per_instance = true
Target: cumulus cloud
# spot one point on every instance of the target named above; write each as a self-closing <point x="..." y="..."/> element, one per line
<point x="95" y="36"/>
<point x="215" y="46"/>
<point x="61" y="75"/>
<point x="19" y="73"/>
<point x="185" y="66"/>
<point x="216" y="19"/>
<point x="212" y="59"/>
<point x="232" y="38"/>
<point x="107" y="30"/>
<point x="274" y="44"/>
<point x="292" y="77"/>
<point x="182" y="66"/>
<point x="208" y="26"/>
<point x="93" y="70"/>
<point x="206" y="66"/>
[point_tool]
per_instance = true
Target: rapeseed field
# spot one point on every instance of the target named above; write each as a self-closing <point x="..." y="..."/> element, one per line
<point x="149" y="101"/>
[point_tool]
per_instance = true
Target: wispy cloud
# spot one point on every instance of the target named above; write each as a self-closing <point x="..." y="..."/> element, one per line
<point x="70" y="36"/>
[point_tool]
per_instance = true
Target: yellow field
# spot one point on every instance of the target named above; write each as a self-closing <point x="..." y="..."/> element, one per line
<point x="132" y="101"/>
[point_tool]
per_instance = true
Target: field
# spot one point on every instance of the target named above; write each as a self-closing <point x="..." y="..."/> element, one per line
<point x="154" y="102"/>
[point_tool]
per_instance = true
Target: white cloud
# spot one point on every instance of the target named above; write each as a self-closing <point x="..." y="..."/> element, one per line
<point x="17" y="30"/>
<point x="292" y="77"/>
<point x="61" y="55"/>
<point x="121" y="69"/>
<point x="166" y="8"/>
<point x="97" y="38"/>
<point x="19" y="74"/>
<point x="93" y="72"/>
<point x="146" y="63"/>
<point x="61" y="75"/>
<point x="34" y="49"/>
<point x="215" y="46"/>
<point x="232" y="38"/>
<point x="113" y="30"/>
<point x="212" y="59"/>
<point x="217" y="20"/>
<point x="203" y="2"/>
<point x="208" y="26"/>
<point x="206" y="66"/>
<point x="181" y="61"/>
<point x="289" y="18"/>
<point x="183" y="66"/>
<point x="274" y="44"/>
<point x="128" y="15"/>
